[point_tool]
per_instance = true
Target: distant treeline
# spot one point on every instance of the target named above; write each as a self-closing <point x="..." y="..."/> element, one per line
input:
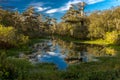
<point x="98" y="25"/>
<point x="18" y="27"/>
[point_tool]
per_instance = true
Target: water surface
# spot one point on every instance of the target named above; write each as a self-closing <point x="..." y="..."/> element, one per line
<point x="62" y="53"/>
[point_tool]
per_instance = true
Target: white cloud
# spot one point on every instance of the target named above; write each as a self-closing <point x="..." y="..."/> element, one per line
<point x="52" y="11"/>
<point x="63" y="8"/>
<point x="39" y="8"/>
<point x="93" y="1"/>
<point x="68" y="5"/>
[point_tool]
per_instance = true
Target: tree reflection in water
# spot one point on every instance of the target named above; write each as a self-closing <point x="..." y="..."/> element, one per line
<point x="62" y="53"/>
<point x="79" y="52"/>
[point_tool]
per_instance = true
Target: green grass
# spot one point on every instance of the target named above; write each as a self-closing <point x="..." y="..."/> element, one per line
<point x="108" y="68"/>
<point x="70" y="39"/>
<point x="99" y="42"/>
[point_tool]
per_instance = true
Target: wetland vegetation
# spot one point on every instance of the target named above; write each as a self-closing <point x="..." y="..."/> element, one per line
<point x="80" y="47"/>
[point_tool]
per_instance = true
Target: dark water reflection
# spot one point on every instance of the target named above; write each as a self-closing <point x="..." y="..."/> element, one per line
<point x="63" y="53"/>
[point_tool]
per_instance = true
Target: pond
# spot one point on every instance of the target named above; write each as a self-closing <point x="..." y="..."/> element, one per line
<point x="63" y="54"/>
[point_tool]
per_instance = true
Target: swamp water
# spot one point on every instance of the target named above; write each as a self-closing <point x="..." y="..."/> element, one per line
<point x="63" y="54"/>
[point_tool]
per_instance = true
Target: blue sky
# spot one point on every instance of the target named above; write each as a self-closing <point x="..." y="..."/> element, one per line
<point x="57" y="8"/>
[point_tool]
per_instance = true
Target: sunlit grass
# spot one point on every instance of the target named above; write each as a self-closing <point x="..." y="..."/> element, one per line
<point x="99" y="41"/>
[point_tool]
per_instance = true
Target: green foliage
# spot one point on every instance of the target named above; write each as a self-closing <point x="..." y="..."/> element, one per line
<point x="97" y="25"/>
<point x="7" y="70"/>
<point x="104" y="23"/>
<point x="9" y="37"/>
<point x="29" y="23"/>
<point x="22" y="39"/>
<point x="74" y="23"/>
<point x="112" y="37"/>
<point x="7" y="33"/>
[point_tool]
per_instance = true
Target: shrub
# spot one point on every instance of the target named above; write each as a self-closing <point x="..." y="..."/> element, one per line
<point x="9" y="37"/>
<point x="112" y="37"/>
<point x="22" y="39"/>
<point x="110" y="51"/>
<point x="7" y="70"/>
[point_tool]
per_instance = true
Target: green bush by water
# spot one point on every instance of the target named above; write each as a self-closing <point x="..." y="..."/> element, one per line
<point x="9" y="37"/>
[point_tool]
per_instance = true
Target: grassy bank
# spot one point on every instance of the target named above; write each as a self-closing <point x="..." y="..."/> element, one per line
<point x="99" y="42"/>
<point x="71" y="39"/>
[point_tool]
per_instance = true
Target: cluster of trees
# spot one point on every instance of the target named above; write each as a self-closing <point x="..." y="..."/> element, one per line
<point x="98" y="25"/>
<point x="102" y="22"/>
<point x="74" y="23"/>
<point x="30" y="23"/>
<point x="17" y="27"/>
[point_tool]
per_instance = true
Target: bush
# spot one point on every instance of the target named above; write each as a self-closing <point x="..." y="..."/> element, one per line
<point x="7" y="70"/>
<point x="22" y="39"/>
<point x="112" y="37"/>
<point x="9" y="37"/>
